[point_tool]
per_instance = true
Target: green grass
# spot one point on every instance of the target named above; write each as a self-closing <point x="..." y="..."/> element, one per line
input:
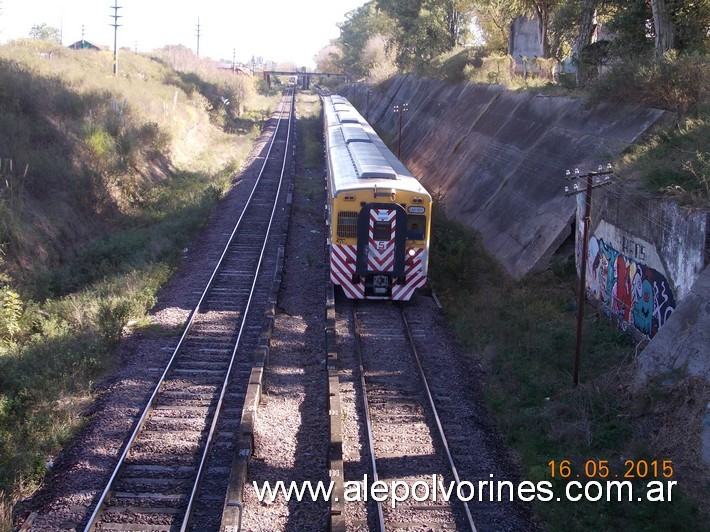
<point x="524" y="334"/>
<point x="309" y="127"/>
<point x="675" y="161"/>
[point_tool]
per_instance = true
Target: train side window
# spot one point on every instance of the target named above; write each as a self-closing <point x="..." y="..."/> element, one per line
<point x="415" y="227"/>
<point x="347" y="224"/>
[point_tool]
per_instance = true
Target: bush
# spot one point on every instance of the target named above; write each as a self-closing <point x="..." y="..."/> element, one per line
<point x="494" y="69"/>
<point x="675" y="82"/>
<point x="458" y="64"/>
<point x="112" y="317"/>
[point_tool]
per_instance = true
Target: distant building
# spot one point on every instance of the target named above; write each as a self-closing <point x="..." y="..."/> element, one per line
<point x="236" y="69"/>
<point x="84" y="45"/>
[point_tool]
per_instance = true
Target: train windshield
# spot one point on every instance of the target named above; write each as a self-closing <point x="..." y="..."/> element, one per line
<point x="382" y="231"/>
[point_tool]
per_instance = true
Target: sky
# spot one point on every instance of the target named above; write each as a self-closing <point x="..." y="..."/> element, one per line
<point x="277" y="30"/>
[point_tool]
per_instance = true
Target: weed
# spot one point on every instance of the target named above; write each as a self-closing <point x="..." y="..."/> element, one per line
<point x="11" y="309"/>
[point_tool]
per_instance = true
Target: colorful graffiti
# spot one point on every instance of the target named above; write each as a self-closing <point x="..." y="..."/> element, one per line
<point x="631" y="292"/>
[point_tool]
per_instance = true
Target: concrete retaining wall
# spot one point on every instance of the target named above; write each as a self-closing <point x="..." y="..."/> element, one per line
<point x="499" y="157"/>
<point x="645" y="254"/>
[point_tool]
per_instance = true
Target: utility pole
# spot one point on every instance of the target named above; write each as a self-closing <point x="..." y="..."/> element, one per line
<point x="593" y="180"/>
<point x="198" y="36"/>
<point x="115" y="25"/>
<point x="401" y="109"/>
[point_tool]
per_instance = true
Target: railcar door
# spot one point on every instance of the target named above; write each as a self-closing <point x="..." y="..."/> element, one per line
<point x="381" y="246"/>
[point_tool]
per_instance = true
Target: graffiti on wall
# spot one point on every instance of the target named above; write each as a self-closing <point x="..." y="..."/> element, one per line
<point x="632" y="292"/>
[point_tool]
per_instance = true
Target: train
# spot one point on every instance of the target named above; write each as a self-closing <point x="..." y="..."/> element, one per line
<point x="378" y="214"/>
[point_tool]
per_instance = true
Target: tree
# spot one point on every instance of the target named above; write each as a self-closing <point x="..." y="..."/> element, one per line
<point x="361" y="24"/>
<point x="585" y="26"/>
<point x="543" y="10"/>
<point x="379" y="57"/>
<point x="458" y="16"/>
<point x="494" y="18"/>
<point x="666" y="37"/>
<point x="44" y="32"/>
<point x="328" y="59"/>
<point x="427" y="28"/>
<point x="629" y="23"/>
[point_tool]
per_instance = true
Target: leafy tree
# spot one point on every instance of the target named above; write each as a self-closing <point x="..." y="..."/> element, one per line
<point x="692" y="23"/>
<point x="629" y="23"/>
<point x="417" y="31"/>
<point x="584" y="23"/>
<point x="427" y="28"/>
<point x="494" y="18"/>
<point x="329" y="59"/>
<point x="360" y="25"/>
<point x="543" y="10"/>
<point x="641" y="26"/>
<point x="458" y="16"/>
<point x="379" y="58"/>
<point x="45" y="32"/>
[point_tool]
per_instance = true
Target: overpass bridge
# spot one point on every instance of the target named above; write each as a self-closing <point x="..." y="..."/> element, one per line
<point x="304" y="78"/>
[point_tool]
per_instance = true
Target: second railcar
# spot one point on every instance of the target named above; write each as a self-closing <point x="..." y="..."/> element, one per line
<point x="379" y="215"/>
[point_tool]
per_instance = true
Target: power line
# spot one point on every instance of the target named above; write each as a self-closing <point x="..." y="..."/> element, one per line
<point x="199" y="34"/>
<point x="592" y="180"/>
<point x="115" y="26"/>
<point x="400" y="109"/>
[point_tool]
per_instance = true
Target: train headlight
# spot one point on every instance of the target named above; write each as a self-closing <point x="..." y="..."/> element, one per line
<point x="412" y="252"/>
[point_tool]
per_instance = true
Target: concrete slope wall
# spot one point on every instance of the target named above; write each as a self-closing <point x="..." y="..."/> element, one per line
<point x="499" y="157"/>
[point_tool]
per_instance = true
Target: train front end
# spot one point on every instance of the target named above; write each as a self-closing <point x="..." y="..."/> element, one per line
<point x="379" y="248"/>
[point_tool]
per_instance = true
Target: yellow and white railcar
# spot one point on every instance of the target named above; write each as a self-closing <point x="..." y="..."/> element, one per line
<point x="379" y="215"/>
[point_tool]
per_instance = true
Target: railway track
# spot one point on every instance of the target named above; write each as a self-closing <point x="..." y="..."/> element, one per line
<point x="173" y="471"/>
<point x="403" y="439"/>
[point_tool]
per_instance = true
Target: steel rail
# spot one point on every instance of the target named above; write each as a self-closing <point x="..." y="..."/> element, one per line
<point x="368" y="419"/>
<point x="436" y="414"/>
<point x="215" y="419"/>
<point x="99" y="505"/>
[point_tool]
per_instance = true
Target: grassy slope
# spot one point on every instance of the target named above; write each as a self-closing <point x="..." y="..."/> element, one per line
<point x="104" y="181"/>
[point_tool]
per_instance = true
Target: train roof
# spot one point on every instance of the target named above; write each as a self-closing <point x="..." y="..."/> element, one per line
<point x="358" y="158"/>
